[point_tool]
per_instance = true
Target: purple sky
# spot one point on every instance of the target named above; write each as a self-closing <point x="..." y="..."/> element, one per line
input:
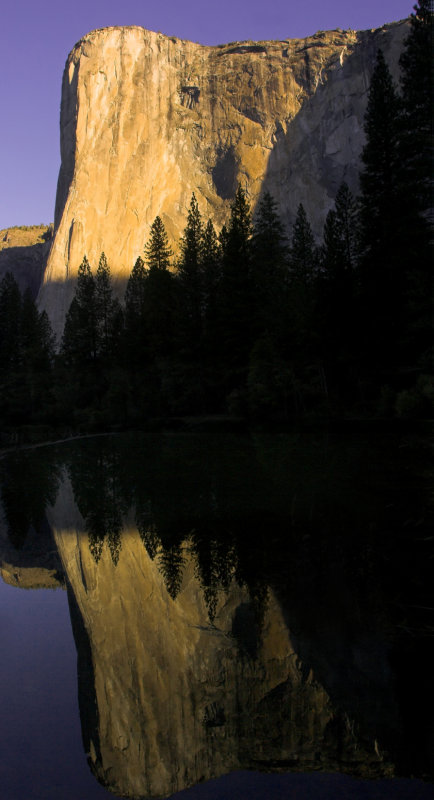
<point x="36" y="37"/>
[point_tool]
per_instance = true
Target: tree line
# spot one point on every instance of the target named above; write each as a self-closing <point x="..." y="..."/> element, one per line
<point x="252" y="322"/>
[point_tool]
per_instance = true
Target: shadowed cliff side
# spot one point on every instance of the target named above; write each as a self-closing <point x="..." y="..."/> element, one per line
<point x="321" y="146"/>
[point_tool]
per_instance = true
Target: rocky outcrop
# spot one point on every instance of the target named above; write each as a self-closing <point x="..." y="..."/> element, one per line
<point x="30" y="577"/>
<point x="23" y="252"/>
<point x="32" y="564"/>
<point x="147" y="119"/>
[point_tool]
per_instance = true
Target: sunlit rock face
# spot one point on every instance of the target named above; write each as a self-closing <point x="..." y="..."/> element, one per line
<point x="147" y="119"/>
<point x="169" y="698"/>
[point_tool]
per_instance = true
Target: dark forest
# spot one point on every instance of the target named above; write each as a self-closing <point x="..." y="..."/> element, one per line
<point x="252" y="323"/>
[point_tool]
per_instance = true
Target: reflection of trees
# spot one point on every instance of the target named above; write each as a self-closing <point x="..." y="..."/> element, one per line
<point x="317" y="504"/>
<point x="29" y="481"/>
<point x="171" y="562"/>
<point x="147" y="528"/>
<point x="215" y="560"/>
<point x="339" y="529"/>
<point x="176" y="501"/>
<point x="94" y="468"/>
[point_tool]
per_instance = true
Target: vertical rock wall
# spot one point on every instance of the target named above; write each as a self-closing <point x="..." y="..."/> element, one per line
<point x="147" y="119"/>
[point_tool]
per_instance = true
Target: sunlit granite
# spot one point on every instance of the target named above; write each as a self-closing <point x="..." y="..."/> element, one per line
<point x="147" y="119"/>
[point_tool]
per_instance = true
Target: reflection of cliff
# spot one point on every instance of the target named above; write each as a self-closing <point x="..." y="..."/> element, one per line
<point x="168" y="699"/>
<point x="252" y="611"/>
<point x="28" y="555"/>
<point x="28" y="481"/>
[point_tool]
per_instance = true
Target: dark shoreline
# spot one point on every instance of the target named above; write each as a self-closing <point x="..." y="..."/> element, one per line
<point x="32" y="436"/>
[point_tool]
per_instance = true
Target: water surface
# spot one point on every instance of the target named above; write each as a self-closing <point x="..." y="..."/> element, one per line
<point x="218" y="604"/>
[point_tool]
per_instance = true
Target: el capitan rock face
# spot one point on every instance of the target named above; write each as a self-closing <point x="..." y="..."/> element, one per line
<point x="147" y="119"/>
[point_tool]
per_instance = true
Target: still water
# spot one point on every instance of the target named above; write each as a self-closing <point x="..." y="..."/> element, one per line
<point x="178" y="609"/>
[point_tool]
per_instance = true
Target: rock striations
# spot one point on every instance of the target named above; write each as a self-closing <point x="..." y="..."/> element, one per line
<point x="147" y="119"/>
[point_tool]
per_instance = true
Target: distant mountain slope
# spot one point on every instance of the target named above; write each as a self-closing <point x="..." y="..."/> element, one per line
<point x="23" y="251"/>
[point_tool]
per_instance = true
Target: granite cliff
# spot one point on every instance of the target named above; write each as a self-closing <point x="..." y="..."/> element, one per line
<point x="147" y="119"/>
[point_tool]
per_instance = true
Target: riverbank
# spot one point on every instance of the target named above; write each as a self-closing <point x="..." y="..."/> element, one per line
<point x="32" y="436"/>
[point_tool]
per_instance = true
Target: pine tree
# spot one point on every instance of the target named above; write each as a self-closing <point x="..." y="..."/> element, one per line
<point x="269" y="239"/>
<point x="330" y="253"/>
<point x="382" y="229"/>
<point x="160" y="296"/>
<point x="236" y="291"/>
<point x="135" y="293"/>
<point x="338" y="254"/>
<point x="157" y="250"/>
<point x="416" y="175"/>
<point x="11" y="390"/>
<point x="303" y="258"/>
<point x="212" y="273"/>
<point x="135" y="315"/>
<point x="336" y="311"/>
<point x="47" y="340"/>
<point x="161" y="312"/>
<point x="80" y="336"/>
<point x="379" y="202"/>
<point x="417" y="86"/>
<point x="26" y="354"/>
<point x="37" y="354"/>
<point x="302" y="290"/>
<point x="10" y="316"/>
<point x="190" y="277"/>
<point x="108" y="312"/>
<point x="211" y="264"/>
<point x="191" y="241"/>
<point x="223" y="239"/>
<point x="347" y="222"/>
<point x="28" y="325"/>
<point x="71" y="339"/>
<point x="37" y="337"/>
<point x="237" y="248"/>
<point x="269" y="267"/>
